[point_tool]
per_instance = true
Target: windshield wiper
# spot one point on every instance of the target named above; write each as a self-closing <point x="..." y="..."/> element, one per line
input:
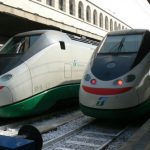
<point x="116" y="49"/>
<point x="121" y="44"/>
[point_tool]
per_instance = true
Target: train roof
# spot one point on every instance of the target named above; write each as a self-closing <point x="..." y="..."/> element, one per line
<point x="59" y="35"/>
<point x="130" y="31"/>
<point x="34" y="32"/>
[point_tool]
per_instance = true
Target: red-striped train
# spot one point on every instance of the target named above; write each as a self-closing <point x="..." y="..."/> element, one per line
<point x="116" y="83"/>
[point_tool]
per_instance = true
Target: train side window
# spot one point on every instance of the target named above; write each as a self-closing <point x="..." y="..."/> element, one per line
<point x="33" y="39"/>
<point x="62" y="45"/>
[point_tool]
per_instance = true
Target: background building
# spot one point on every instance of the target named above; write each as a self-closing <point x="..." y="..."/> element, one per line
<point x="80" y="17"/>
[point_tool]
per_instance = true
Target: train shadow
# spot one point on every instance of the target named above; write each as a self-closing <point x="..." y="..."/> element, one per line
<point x="60" y="108"/>
<point x="120" y="122"/>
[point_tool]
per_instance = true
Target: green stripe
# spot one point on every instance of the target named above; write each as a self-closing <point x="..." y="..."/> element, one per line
<point x="40" y="102"/>
<point x="133" y="112"/>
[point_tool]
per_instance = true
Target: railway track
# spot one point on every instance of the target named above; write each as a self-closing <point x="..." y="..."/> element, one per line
<point x="50" y="120"/>
<point x="88" y="136"/>
<point x="73" y="131"/>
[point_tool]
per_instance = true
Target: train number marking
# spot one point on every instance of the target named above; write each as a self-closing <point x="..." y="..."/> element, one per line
<point x="101" y="101"/>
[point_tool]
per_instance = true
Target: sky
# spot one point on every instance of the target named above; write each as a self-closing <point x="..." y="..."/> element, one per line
<point x="136" y="13"/>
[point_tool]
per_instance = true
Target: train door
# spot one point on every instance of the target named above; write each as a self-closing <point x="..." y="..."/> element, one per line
<point x="67" y="58"/>
<point x="67" y="70"/>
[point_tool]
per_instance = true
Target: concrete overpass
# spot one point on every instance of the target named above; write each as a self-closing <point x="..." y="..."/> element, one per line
<point x="80" y="17"/>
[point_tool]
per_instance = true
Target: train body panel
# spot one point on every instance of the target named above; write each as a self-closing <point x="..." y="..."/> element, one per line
<point x="112" y="101"/>
<point x="19" y="84"/>
<point x="79" y="64"/>
<point x="6" y="96"/>
<point x="45" y="69"/>
<point x="48" y="67"/>
<point x="40" y="102"/>
<point x="117" y="79"/>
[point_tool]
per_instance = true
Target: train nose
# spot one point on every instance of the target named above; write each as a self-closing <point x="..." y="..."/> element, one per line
<point x="108" y="67"/>
<point x="5" y="96"/>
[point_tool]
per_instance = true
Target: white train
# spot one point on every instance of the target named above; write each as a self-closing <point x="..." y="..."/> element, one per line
<point x="38" y="68"/>
<point x="1" y="45"/>
<point x="116" y="83"/>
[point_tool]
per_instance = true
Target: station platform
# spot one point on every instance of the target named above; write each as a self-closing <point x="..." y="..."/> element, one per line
<point x="140" y="140"/>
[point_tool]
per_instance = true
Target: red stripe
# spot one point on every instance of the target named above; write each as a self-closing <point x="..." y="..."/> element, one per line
<point x="1" y="87"/>
<point x="105" y="91"/>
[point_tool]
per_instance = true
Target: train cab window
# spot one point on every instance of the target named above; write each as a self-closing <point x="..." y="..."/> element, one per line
<point x="19" y="44"/>
<point x="121" y="44"/>
<point x="62" y="45"/>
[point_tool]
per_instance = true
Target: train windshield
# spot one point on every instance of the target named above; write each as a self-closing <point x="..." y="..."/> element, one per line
<point x="121" y="44"/>
<point x="19" y="44"/>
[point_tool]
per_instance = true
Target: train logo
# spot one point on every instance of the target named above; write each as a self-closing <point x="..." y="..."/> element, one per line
<point x="101" y="101"/>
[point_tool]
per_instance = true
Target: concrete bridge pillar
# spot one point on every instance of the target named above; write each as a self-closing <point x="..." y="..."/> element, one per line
<point x="57" y="4"/>
<point x="67" y="6"/>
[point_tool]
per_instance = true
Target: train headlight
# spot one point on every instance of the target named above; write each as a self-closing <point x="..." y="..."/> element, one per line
<point x="6" y="77"/>
<point x="87" y="77"/>
<point x="120" y="82"/>
<point x="93" y="81"/>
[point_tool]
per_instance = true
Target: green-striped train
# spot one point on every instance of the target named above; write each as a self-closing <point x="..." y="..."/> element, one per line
<point x="39" y="68"/>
